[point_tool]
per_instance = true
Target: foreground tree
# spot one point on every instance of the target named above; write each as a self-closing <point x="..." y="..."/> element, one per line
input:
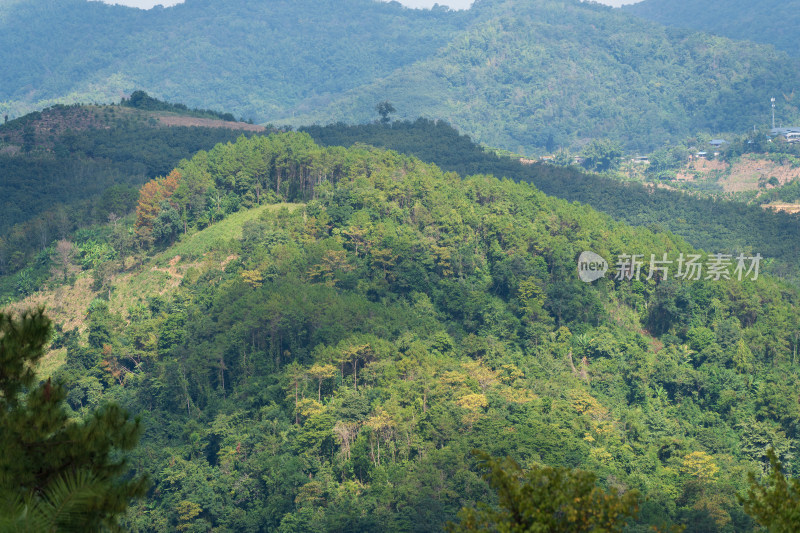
<point x="546" y="499"/>
<point x="775" y="504"/>
<point x="56" y="473"/>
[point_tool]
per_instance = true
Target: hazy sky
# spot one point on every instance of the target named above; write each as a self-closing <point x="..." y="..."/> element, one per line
<point x="454" y="4"/>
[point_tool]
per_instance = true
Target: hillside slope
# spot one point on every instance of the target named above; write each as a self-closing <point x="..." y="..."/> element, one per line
<point x="328" y="364"/>
<point x="772" y="22"/>
<point x="707" y="223"/>
<point x="69" y="167"/>
<point x="525" y="75"/>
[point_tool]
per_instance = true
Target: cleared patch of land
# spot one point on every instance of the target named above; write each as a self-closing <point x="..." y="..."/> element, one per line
<point x="177" y="120"/>
<point x="163" y="273"/>
<point x="66" y="305"/>
<point x="787" y="208"/>
<point x="700" y="167"/>
<point x="749" y="173"/>
<point x="746" y="174"/>
<point x="197" y="252"/>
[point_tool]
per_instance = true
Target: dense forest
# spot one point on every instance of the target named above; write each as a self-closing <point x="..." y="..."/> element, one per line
<point x="772" y="22"/>
<point x="527" y="76"/>
<point x="390" y="325"/>
<point x="96" y="157"/>
<point x="316" y="338"/>
<point x="708" y="223"/>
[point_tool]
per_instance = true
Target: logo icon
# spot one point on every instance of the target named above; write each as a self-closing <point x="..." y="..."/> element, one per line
<point x="591" y="267"/>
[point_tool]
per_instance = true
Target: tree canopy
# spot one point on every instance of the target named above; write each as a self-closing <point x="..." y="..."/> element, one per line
<point x="546" y="499"/>
<point x="331" y="331"/>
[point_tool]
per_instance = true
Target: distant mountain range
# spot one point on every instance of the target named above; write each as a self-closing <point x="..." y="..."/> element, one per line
<point x="254" y="58"/>
<point x="528" y="76"/>
<point x="774" y="22"/>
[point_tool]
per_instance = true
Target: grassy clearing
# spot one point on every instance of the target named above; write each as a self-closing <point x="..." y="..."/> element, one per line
<point x="133" y="288"/>
<point x="66" y="304"/>
<point x="215" y="237"/>
<point x="205" y="249"/>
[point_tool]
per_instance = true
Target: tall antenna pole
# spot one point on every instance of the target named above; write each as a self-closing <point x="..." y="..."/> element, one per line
<point x="773" y="111"/>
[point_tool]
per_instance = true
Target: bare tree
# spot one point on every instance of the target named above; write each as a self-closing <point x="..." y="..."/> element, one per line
<point x="42" y="232"/>
<point x="64" y="254"/>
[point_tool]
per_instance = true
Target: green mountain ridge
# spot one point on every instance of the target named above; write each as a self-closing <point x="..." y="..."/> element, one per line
<point x="323" y="353"/>
<point x="528" y="76"/>
<point x="772" y="22"/>
<point x="233" y="53"/>
<point x="713" y="225"/>
<point x="547" y="74"/>
<point x="94" y="172"/>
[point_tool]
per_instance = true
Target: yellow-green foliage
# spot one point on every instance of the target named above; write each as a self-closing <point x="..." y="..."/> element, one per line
<point x="335" y="363"/>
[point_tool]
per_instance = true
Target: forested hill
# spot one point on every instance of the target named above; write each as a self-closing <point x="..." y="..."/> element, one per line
<point x="525" y="75"/>
<point x="69" y="167"/>
<point x="317" y="337"/>
<point x="772" y="22"/>
<point x="705" y="222"/>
